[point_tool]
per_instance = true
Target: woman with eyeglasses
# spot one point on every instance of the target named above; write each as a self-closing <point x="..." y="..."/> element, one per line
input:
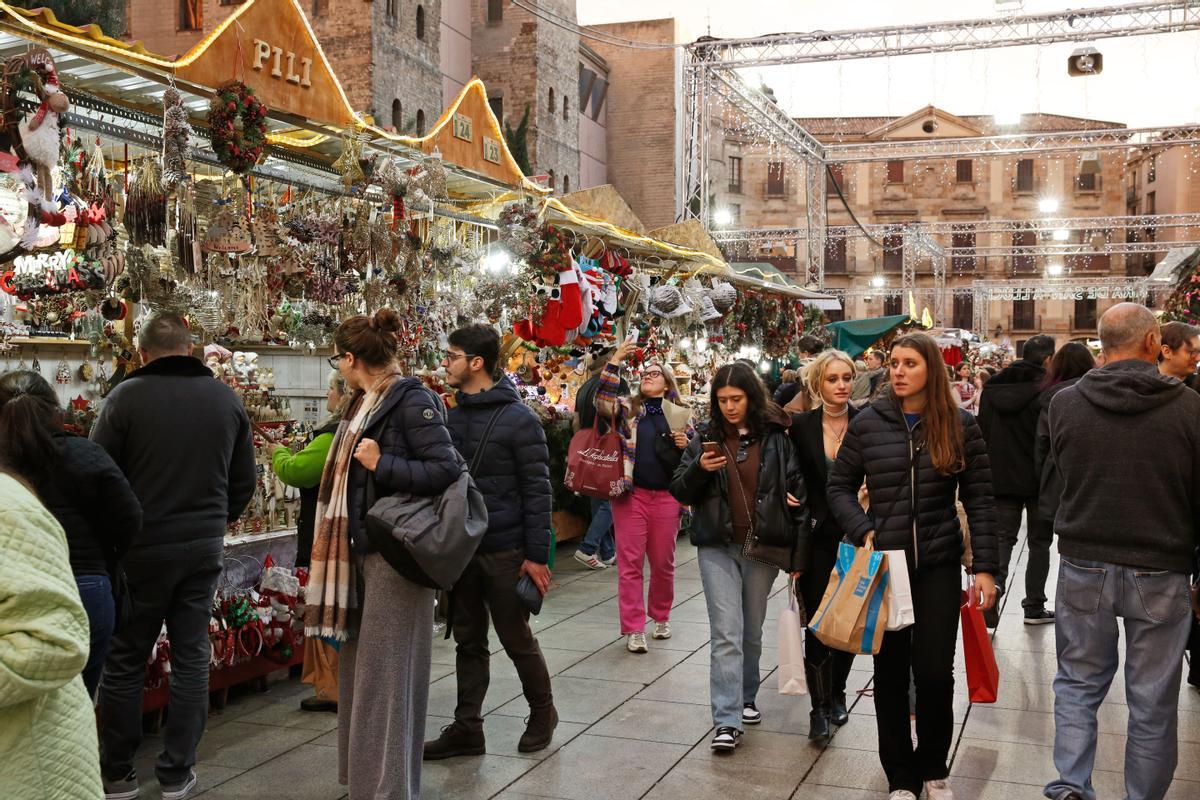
<point x="392" y="440"/>
<point x="654" y="428"/>
<point x="917" y="450"/>
<point x="742" y="478"/>
<point x="817" y="436"/>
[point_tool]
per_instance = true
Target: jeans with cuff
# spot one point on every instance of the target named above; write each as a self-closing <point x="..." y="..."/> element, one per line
<point x="736" y="590"/>
<point x="1156" y="609"/>
<point x="599" y="540"/>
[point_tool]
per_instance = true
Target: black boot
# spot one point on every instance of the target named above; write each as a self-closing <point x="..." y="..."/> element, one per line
<point x="454" y="741"/>
<point x="539" y="731"/>
<point x="820" y="727"/>
<point x="838" y="712"/>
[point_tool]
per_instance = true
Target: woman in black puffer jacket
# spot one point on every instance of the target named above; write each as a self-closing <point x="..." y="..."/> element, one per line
<point x="916" y="448"/>
<point x="749" y="521"/>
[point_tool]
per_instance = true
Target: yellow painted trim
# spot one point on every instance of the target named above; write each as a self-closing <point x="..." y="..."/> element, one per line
<point x="630" y="236"/>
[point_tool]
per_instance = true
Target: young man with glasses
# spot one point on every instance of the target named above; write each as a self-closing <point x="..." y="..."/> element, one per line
<point x="505" y="446"/>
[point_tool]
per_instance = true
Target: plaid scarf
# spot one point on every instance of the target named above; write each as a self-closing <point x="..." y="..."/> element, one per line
<point x="331" y="596"/>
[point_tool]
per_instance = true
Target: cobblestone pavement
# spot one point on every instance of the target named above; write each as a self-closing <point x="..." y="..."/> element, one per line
<point x="638" y="726"/>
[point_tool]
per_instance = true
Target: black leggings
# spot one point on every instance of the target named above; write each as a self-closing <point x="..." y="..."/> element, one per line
<point x="926" y="651"/>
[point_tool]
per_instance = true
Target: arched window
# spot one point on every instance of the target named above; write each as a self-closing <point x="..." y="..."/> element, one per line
<point x="566" y="184"/>
<point x="551" y="101"/>
<point x="421" y="23"/>
<point x="552" y="177"/>
<point x="397" y="115"/>
<point x="566" y="107"/>
<point x="420" y="122"/>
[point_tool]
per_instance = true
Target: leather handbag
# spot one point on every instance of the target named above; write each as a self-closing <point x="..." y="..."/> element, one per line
<point x="596" y="463"/>
<point x="430" y="540"/>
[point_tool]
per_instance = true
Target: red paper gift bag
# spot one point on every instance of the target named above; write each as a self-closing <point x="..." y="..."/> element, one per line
<point x="596" y="463"/>
<point x="983" y="676"/>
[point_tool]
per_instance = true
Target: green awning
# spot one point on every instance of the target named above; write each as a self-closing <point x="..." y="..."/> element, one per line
<point x="856" y="335"/>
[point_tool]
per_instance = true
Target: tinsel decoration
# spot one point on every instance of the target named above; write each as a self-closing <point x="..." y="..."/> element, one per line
<point x="146" y="205"/>
<point x="176" y="131"/>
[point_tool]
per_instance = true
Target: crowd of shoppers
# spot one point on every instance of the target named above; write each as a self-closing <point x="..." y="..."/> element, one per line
<point x="107" y="540"/>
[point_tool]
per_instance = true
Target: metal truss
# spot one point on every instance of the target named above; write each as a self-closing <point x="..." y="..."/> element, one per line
<point x="1070" y="249"/>
<point x="756" y="105"/>
<point x="815" y="210"/>
<point x="1044" y="224"/>
<point x="1058" y="289"/>
<point x="941" y="37"/>
<point x="1014" y="144"/>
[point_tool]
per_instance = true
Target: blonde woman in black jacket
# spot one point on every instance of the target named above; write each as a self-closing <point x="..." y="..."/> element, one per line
<point x="916" y="449"/>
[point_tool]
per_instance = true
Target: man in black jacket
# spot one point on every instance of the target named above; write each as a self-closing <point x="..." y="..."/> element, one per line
<point x="1008" y="415"/>
<point x="183" y="440"/>
<point x="505" y="445"/>
<point x="1126" y="442"/>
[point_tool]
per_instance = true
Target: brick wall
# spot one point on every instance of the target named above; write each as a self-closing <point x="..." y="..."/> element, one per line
<point x="642" y="115"/>
<point x="156" y="24"/>
<point x="344" y="32"/>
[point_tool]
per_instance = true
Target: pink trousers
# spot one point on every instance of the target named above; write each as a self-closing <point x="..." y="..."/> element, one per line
<point x="646" y="523"/>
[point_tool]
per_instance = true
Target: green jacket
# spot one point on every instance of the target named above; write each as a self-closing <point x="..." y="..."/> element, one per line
<point x="48" y="744"/>
<point x="303" y="470"/>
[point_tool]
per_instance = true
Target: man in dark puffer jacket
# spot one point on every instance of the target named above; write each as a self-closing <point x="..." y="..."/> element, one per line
<point x="513" y="473"/>
<point x="1008" y="416"/>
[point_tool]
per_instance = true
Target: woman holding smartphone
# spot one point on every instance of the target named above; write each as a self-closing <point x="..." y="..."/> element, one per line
<point x="817" y="436"/>
<point x="742" y="479"/>
<point x="916" y="448"/>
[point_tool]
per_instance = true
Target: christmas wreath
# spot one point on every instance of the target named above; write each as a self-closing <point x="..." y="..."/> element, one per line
<point x="236" y="126"/>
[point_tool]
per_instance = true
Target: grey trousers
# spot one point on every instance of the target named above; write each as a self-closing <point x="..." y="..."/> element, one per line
<point x="383" y="689"/>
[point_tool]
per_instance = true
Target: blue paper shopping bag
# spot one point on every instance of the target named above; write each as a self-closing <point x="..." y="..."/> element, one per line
<point x="853" y="613"/>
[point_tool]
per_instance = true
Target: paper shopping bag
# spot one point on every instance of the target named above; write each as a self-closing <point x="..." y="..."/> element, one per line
<point x="983" y="676"/>
<point x="792" y="679"/>
<point x="853" y="612"/>
<point x="900" y="612"/>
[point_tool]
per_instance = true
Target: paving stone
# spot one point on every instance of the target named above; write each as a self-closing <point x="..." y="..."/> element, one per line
<point x="616" y="661"/>
<point x="241" y="745"/>
<point x="725" y="777"/>
<point x="656" y="721"/>
<point x="307" y="772"/>
<point x="601" y="768"/>
<point x="460" y="778"/>
<point x="579" y="699"/>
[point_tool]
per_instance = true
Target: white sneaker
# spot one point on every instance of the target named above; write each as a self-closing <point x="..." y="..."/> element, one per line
<point x="636" y="643"/>
<point x="589" y="561"/>
<point x="902" y="794"/>
<point x="939" y="790"/>
<point x="608" y="562"/>
<point x="662" y="630"/>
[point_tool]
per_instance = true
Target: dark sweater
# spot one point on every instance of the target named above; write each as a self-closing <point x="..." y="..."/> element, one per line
<point x="183" y="441"/>
<point x="1008" y="415"/>
<point x="514" y="472"/>
<point x="92" y="501"/>
<point x="648" y="470"/>
<point x="1126" y="442"/>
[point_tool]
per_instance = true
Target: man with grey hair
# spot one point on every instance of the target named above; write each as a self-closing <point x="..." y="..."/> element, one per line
<point x="1125" y="440"/>
<point x="183" y="440"/>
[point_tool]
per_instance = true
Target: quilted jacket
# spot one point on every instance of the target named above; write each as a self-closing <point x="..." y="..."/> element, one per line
<point x="48" y="746"/>
<point x="417" y="455"/>
<point x="513" y="472"/>
<point x="912" y="505"/>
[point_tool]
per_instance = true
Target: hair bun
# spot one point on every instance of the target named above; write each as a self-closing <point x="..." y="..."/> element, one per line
<point x="386" y="320"/>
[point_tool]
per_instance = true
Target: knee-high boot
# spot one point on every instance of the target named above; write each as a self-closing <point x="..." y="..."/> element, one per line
<point x="840" y="664"/>
<point x="820" y="690"/>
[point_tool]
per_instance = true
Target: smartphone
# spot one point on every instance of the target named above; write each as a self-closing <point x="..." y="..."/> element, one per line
<point x="712" y="448"/>
<point x="633" y="336"/>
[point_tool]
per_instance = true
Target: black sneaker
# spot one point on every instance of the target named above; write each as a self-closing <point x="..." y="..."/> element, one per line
<point x="180" y="791"/>
<point x="1042" y="617"/>
<point x="726" y="739"/>
<point x="751" y="715"/>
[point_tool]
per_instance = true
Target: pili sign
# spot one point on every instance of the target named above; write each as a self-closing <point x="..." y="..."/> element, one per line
<point x="268" y="45"/>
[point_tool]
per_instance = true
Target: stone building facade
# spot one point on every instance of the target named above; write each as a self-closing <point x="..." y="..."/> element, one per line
<point x="766" y="189"/>
<point x="1164" y="181"/>
<point x="384" y="52"/>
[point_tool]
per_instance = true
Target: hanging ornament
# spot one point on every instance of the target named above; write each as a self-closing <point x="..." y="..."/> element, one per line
<point x="237" y="126"/>
<point x="146" y="205"/>
<point x="176" y="131"/>
<point x="348" y="162"/>
<point x="227" y="233"/>
<point x="62" y="375"/>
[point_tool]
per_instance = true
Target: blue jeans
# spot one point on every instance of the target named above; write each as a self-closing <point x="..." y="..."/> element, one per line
<point x="736" y="591"/>
<point x="1156" y="609"/>
<point x="96" y="593"/>
<point x="599" y="534"/>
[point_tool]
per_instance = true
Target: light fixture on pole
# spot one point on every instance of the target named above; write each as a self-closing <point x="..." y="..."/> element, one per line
<point x="1084" y="62"/>
<point x="1048" y="205"/>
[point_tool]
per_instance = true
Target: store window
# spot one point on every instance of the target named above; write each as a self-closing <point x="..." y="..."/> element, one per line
<point x="964" y="171"/>
<point x="420" y="122"/>
<point x="834" y="180"/>
<point x="495" y="12"/>
<point x="551" y="105"/>
<point x="776" y="184"/>
<point x="735" y="175"/>
<point x="421" y="23"/>
<point x="895" y="172"/>
<point x="1025" y="175"/>
<point x="191" y="15"/>
<point x="1024" y="315"/>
